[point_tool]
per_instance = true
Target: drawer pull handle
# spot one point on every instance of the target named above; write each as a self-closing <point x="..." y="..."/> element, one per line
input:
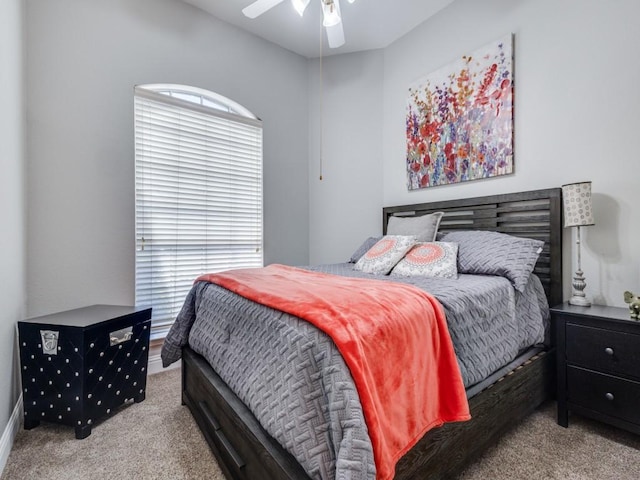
<point x="222" y="438"/>
<point x="608" y="351"/>
<point x="49" y="342"/>
<point x="207" y="413"/>
<point x="609" y="396"/>
<point x="235" y="457"/>
<point x="120" y="336"/>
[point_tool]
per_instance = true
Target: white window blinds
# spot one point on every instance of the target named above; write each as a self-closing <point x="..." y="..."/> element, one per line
<point x="198" y="198"/>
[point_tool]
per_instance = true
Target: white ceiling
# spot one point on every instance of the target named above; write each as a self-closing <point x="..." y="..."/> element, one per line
<point x="368" y="24"/>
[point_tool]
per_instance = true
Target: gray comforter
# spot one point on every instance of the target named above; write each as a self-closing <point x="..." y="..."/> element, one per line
<point x="293" y="379"/>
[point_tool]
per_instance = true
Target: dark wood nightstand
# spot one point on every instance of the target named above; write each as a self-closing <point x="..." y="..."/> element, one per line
<point x="598" y="364"/>
<point x="79" y="366"/>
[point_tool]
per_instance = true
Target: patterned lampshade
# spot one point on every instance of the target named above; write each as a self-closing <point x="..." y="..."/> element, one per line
<point x="577" y="204"/>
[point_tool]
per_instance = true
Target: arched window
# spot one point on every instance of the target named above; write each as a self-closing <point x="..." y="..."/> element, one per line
<point x="198" y="192"/>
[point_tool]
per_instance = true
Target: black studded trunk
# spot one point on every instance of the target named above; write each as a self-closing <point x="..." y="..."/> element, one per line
<point x="79" y="366"/>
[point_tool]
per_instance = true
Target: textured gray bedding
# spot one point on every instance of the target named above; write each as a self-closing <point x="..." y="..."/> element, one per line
<point x="293" y="379"/>
<point x="488" y="320"/>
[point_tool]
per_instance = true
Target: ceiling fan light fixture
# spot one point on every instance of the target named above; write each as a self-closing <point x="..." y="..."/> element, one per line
<point x="300" y="5"/>
<point x="330" y="13"/>
<point x="351" y="1"/>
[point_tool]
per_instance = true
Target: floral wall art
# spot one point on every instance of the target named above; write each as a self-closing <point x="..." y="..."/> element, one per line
<point x="460" y="119"/>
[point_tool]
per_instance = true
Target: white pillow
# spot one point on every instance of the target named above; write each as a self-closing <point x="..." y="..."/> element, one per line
<point x="424" y="228"/>
<point x="384" y="255"/>
<point x="431" y="259"/>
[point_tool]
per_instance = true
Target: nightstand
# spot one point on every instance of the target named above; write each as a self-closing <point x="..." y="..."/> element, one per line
<point x="78" y="366"/>
<point x="598" y="364"/>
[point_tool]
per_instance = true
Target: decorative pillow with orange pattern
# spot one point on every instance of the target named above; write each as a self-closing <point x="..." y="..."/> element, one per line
<point x="385" y="254"/>
<point x="429" y="259"/>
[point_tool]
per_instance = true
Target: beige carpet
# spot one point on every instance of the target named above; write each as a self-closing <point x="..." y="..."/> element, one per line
<point x="154" y="439"/>
<point x="158" y="439"/>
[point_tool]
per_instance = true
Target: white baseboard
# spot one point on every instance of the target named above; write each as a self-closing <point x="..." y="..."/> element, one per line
<point x="155" y="362"/>
<point x="9" y="434"/>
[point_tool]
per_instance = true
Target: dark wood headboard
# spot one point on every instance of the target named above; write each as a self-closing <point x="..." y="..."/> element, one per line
<point x="535" y="214"/>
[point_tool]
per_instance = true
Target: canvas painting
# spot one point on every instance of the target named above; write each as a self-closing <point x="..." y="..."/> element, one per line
<point x="460" y="119"/>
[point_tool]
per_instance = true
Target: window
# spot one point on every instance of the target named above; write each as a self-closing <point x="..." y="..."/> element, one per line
<point x="198" y="161"/>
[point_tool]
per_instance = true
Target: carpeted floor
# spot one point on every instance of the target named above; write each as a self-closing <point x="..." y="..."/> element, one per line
<point x="158" y="439"/>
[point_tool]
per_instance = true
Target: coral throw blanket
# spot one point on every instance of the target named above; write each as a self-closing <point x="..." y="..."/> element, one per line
<point x="393" y="338"/>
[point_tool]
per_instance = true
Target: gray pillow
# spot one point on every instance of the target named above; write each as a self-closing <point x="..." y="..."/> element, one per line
<point x="424" y="228"/>
<point x="493" y="253"/>
<point x="364" y="248"/>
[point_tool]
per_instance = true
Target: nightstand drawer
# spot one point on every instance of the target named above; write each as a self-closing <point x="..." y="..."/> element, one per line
<point x="605" y="394"/>
<point x="603" y="350"/>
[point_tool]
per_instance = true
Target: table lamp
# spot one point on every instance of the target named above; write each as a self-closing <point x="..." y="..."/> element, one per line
<point x="578" y="213"/>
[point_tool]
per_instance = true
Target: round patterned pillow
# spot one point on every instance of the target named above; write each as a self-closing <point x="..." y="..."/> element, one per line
<point x="432" y="259"/>
<point x="384" y="255"/>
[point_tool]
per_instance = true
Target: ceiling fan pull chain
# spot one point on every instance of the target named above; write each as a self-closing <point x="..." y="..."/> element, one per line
<point x="321" y="101"/>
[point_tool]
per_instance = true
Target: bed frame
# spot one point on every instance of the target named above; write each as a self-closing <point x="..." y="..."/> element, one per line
<point x="245" y="451"/>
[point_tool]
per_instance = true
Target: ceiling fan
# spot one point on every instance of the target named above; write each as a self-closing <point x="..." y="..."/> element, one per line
<point x="332" y="19"/>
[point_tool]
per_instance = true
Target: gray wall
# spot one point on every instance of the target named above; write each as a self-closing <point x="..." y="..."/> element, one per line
<point x="576" y="118"/>
<point x="576" y="115"/>
<point x="347" y="203"/>
<point x="83" y="59"/>
<point x="12" y="205"/>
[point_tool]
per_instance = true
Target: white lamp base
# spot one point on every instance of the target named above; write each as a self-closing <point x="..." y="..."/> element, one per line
<point x="580" y="301"/>
<point x="578" y="297"/>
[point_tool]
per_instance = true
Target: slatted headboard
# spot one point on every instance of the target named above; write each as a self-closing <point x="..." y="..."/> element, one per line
<point x="534" y="214"/>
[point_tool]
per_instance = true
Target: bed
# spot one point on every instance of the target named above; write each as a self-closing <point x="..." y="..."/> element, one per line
<point x="243" y="447"/>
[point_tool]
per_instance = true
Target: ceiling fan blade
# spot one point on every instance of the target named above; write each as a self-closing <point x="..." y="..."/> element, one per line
<point x="335" y="35"/>
<point x="259" y="7"/>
